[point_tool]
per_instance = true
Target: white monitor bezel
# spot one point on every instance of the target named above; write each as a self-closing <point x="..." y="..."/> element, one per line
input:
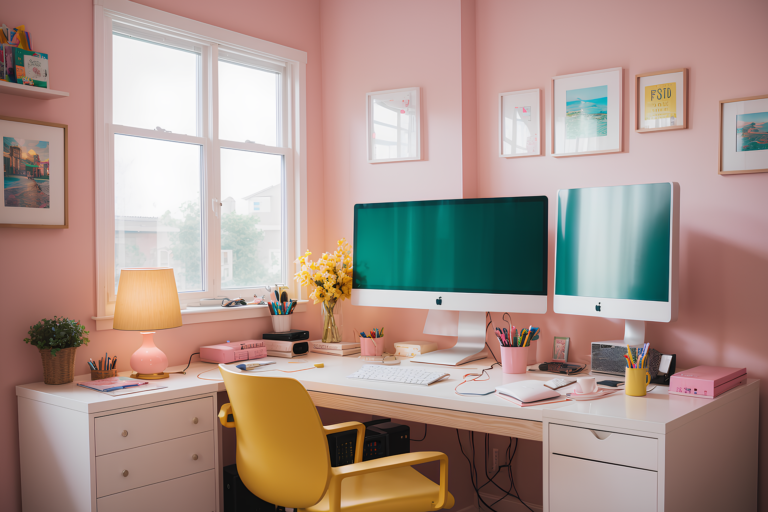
<point x="450" y="301"/>
<point x="653" y="311"/>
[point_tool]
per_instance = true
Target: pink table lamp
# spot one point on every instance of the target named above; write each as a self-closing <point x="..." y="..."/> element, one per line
<point x="147" y="301"/>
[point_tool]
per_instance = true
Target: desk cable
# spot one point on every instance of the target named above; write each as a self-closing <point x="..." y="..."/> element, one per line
<point x="258" y="371"/>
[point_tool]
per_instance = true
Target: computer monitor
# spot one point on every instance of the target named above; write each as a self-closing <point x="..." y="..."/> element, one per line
<point x="616" y="254"/>
<point x="465" y="255"/>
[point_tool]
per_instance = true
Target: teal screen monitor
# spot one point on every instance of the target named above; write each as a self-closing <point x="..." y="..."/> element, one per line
<point x="457" y="255"/>
<point x="616" y="253"/>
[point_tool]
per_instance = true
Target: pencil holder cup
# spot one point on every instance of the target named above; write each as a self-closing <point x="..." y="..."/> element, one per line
<point x="102" y="374"/>
<point x="371" y="346"/>
<point x="281" y="323"/>
<point x="514" y="359"/>
<point x="636" y="380"/>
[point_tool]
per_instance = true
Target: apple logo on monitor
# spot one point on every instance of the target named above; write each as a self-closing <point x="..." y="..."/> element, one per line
<point x="439" y="301"/>
<point x="597" y="308"/>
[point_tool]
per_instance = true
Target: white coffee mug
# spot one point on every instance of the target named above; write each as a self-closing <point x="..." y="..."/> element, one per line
<point x="586" y="384"/>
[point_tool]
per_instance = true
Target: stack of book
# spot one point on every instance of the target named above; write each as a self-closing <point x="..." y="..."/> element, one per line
<point x="334" y="349"/>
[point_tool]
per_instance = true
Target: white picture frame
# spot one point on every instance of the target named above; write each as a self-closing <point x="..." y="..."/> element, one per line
<point x="393" y="120"/>
<point x="520" y="124"/>
<point x="595" y="101"/>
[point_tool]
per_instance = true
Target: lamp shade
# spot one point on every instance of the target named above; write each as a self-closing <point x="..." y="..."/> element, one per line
<point x="147" y="300"/>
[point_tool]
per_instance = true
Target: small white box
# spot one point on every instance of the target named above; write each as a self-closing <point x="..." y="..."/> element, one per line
<point x="414" y="348"/>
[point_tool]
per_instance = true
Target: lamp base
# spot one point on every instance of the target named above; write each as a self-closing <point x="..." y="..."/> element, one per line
<point x="150" y="376"/>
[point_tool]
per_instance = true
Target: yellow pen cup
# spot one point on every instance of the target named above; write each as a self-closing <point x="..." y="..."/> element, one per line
<point x="636" y="380"/>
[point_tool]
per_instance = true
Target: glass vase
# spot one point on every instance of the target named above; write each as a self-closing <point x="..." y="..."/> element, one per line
<point x="332" y="322"/>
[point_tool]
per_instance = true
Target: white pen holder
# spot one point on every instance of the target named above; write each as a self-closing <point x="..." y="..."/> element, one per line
<point x="281" y="323"/>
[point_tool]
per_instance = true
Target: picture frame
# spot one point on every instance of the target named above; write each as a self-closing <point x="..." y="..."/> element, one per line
<point x="587" y="116"/>
<point x="560" y="347"/>
<point x="743" y="147"/>
<point x="661" y="101"/>
<point x="520" y="124"/>
<point x="35" y="174"/>
<point x="393" y="120"/>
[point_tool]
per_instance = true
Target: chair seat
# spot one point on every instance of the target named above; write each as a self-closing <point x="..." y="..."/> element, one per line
<point x="400" y="489"/>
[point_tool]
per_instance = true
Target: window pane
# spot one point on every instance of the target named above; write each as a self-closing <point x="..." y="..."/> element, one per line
<point x="157" y="208"/>
<point x="248" y="99"/>
<point x="251" y="219"/>
<point x="155" y="86"/>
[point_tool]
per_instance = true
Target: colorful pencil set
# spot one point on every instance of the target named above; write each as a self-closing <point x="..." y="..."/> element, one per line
<point x="640" y="357"/>
<point x="279" y="307"/>
<point x="105" y="363"/>
<point x="375" y="333"/>
<point x="511" y="339"/>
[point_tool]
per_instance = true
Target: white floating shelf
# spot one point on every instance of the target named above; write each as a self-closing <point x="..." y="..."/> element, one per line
<point x="29" y="91"/>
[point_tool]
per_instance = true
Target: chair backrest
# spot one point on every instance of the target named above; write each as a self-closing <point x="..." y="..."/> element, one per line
<point x="282" y="450"/>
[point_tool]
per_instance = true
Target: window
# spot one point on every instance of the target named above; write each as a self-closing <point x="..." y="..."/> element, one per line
<point x="197" y="165"/>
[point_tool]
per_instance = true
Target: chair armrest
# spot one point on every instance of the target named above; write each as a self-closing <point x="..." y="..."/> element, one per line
<point x="350" y="425"/>
<point x="383" y="464"/>
<point x="225" y="416"/>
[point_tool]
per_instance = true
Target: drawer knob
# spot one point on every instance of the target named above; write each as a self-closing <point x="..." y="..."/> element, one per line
<point x="195" y="421"/>
<point x="125" y="472"/>
<point x="124" y="433"/>
<point x="194" y="457"/>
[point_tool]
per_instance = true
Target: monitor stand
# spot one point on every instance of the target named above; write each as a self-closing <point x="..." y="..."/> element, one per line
<point x="469" y="347"/>
<point x="634" y="333"/>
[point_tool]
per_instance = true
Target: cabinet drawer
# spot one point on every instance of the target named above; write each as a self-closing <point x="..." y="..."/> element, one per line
<point x="146" y="426"/>
<point x="577" y="485"/>
<point x="194" y="493"/>
<point x="129" y="469"/>
<point x="633" y="451"/>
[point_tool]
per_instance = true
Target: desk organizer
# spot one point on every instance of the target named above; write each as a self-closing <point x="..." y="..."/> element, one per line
<point x="371" y="346"/>
<point x="281" y="323"/>
<point x="514" y="359"/>
<point x="102" y="374"/>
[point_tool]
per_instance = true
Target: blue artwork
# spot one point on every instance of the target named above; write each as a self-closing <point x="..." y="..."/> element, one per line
<point x="586" y="112"/>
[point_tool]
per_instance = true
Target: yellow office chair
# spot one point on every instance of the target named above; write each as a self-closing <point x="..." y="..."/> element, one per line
<point x="282" y="455"/>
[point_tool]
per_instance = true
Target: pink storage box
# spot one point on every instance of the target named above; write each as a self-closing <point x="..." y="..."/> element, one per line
<point x="706" y="381"/>
<point x="231" y="352"/>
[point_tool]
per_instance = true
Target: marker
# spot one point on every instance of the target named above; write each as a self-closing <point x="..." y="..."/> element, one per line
<point x="252" y="366"/>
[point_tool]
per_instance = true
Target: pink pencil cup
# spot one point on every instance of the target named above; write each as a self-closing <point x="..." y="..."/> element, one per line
<point x="371" y="346"/>
<point x="514" y="359"/>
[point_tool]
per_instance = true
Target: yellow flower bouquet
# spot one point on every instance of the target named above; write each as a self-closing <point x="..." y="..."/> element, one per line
<point x="330" y="278"/>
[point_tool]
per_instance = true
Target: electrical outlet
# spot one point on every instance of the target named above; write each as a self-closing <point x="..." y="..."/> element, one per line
<point x="495" y="459"/>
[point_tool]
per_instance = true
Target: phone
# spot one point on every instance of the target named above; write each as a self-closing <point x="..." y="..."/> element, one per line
<point x="611" y="383"/>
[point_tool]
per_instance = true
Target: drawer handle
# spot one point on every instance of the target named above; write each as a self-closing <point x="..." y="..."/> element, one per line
<point x="194" y="457"/>
<point x="195" y="421"/>
<point x="125" y="472"/>
<point x="124" y="433"/>
<point x="599" y="434"/>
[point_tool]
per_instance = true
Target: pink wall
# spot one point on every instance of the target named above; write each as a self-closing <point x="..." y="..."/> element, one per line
<point x="57" y="276"/>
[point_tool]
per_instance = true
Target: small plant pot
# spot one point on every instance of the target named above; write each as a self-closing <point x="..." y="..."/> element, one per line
<point x="59" y="369"/>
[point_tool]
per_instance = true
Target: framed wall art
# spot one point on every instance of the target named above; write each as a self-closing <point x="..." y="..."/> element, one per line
<point x="744" y="135"/>
<point x="520" y="123"/>
<point x="560" y="349"/>
<point x="394" y="125"/>
<point x="587" y="113"/>
<point x="661" y="101"/>
<point x="34" y="174"/>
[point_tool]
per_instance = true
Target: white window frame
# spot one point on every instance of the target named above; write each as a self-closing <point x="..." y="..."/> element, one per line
<point x="213" y="43"/>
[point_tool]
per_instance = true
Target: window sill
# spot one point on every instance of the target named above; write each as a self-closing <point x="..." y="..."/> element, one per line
<point x="198" y="315"/>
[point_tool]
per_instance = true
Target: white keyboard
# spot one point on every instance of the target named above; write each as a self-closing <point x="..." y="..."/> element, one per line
<point x="397" y="374"/>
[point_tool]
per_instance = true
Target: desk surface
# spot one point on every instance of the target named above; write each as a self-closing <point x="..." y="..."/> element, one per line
<point x="658" y="412"/>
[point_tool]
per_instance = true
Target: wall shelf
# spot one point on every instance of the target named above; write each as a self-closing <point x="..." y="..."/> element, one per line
<point x="29" y="91"/>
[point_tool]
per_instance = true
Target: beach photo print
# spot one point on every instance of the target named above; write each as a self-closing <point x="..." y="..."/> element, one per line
<point x="743" y="135"/>
<point x="587" y="113"/>
<point x="26" y="173"/>
<point x="34" y="174"/>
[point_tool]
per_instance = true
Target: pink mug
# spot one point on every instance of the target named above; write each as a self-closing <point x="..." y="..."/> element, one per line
<point x="514" y="359"/>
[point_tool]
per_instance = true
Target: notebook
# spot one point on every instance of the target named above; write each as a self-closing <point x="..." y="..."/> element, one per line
<point x="529" y="392"/>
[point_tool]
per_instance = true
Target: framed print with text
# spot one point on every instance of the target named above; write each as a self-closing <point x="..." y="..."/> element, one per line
<point x="661" y="101"/>
<point x="34" y="174"/>
<point x="394" y="125"/>
<point x="520" y="123"/>
<point x="586" y="113"/>
<point x="744" y="135"/>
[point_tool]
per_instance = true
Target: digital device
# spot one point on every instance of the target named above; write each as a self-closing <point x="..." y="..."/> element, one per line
<point x="382" y="439"/>
<point x="278" y="348"/>
<point x="465" y="256"/>
<point x="399" y="374"/>
<point x="616" y="254"/>
<point x="611" y="383"/>
<point x="231" y="352"/>
<point x="566" y="368"/>
<point x="706" y="381"/>
<point x="292" y="335"/>
<point x="237" y="497"/>
<point x="608" y="356"/>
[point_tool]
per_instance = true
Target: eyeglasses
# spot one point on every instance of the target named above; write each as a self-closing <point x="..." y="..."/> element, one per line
<point x="231" y="303"/>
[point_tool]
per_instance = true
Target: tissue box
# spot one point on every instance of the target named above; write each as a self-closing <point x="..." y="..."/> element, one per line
<point x="414" y="348"/>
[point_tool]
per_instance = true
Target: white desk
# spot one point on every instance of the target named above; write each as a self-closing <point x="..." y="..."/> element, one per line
<point x="688" y="453"/>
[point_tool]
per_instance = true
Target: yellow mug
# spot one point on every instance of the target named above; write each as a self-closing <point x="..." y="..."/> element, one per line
<point x="636" y="380"/>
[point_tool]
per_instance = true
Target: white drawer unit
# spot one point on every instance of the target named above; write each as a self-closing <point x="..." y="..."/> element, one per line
<point x="194" y="493"/>
<point x="152" y="425"/>
<point x="600" y="445"/>
<point x="129" y="469"/>
<point x="580" y="485"/>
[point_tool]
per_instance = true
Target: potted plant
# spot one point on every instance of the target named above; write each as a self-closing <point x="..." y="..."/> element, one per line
<point x="57" y="341"/>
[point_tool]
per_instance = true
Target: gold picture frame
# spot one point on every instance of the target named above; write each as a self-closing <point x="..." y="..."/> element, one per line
<point x="668" y="84"/>
<point x="740" y="161"/>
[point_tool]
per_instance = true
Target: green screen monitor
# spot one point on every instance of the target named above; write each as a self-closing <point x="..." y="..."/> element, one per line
<point x="616" y="254"/>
